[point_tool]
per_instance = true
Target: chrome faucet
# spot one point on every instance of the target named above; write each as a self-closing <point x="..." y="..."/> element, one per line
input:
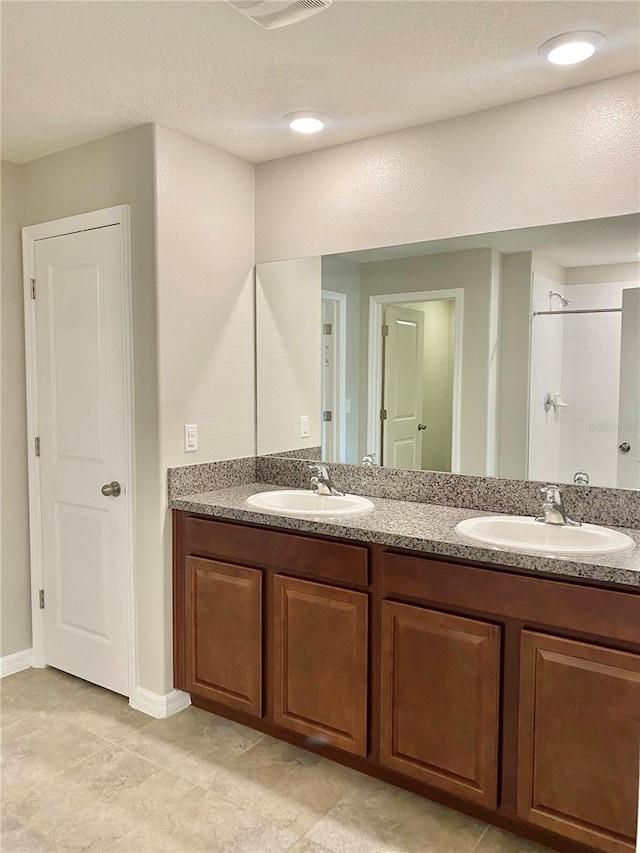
<point x="368" y="460"/>
<point x="321" y="481"/>
<point x="553" y="511"/>
<point x="581" y="478"/>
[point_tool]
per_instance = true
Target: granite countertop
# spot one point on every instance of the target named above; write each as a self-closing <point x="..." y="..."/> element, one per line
<point x="418" y="527"/>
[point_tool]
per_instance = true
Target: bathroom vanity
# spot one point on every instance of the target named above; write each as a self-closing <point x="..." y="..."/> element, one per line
<point x="510" y="692"/>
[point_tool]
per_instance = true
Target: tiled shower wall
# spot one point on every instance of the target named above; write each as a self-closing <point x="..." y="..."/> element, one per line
<point x="546" y="376"/>
<point x="591" y="374"/>
<point x="578" y="355"/>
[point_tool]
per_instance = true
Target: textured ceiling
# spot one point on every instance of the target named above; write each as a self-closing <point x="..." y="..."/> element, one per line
<point x="75" y="71"/>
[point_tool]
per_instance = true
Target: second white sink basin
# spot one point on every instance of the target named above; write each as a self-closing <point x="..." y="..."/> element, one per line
<point x="303" y="502"/>
<point x="518" y="533"/>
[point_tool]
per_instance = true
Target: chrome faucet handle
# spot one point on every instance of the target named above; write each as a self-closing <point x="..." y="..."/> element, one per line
<point x="553" y="509"/>
<point x="369" y="459"/>
<point x="317" y="470"/>
<point x="321" y="480"/>
<point x="551" y="494"/>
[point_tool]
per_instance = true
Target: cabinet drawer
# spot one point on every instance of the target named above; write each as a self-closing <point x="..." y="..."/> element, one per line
<point x="563" y="605"/>
<point x="272" y="549"/>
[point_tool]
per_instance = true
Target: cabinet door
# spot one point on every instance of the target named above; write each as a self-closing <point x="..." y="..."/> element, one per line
<point x="440" y="697"/>
<point x="224" y="634"/>
<point x="579" y="740"/>
<point x="320" y="662"/>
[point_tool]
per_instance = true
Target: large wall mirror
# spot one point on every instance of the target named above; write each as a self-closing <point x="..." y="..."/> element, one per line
<point x="512" y="354"/>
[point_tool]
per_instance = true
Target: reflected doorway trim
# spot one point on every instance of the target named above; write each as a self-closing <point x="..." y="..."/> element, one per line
<point x="118" y="215"/>
<point x="340" y="302"/>
<point x="374" y="361"/>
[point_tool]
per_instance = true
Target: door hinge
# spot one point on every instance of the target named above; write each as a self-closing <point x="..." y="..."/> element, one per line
<point x="37" y="445"/>
<point x="33" y="287"/>
<point x="383" y="414"/>
<point x="327" y="329"/>
<point x="41" y="598"/>
<point x="327" y="417"/>
<point x="385" y="330"/>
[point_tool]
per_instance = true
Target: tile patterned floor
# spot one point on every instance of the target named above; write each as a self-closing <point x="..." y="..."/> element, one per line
<point x="82" y="771"/>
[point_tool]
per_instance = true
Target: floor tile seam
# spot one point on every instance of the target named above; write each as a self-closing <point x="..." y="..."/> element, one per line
<point x="157" y="764"/>
<point x="151" y="721"/>
<point x="147" y="817"/>
<point x="479" y="841"/>
<point x="175" y="772"/>
<point x="226" y="799"/>
<point x="51" y="778"/>
<point x="195" y="785"/>
<point x="120" y="738"/>
<point x="245" y="751"/>
<point x="346" y="796"/>
<point x="245" y="808"/>
<point x="45" y="710"/>
<point x="9" y="726"/>
<point x="28" y="825"/>
<point x="21" y="720"/>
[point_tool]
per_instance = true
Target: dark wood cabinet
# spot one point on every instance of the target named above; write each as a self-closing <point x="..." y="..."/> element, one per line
<point x="320" y="662"/>
<point x="512" y="697"/>
<point x="224" y="633"/>
<point x="440" y="700"/>
<point x="579" y="740"/>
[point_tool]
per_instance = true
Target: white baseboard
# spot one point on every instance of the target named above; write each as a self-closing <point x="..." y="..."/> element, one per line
<point x="16" y="662"/>
<point x="158" y="705"/>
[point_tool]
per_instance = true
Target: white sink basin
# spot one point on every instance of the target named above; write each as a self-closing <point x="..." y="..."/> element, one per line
<point x="302" y="502"/>
<point x="518" y="533"/>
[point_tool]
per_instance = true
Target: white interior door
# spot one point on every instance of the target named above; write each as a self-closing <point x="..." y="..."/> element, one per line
<point x="629" y="401"/>
<point x="329" y="383"/>
<point x="403" y="387"/>
<point x="80" y="322"/>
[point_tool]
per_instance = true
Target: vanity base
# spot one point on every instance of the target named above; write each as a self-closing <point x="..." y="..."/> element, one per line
<point x="509" y="696"/>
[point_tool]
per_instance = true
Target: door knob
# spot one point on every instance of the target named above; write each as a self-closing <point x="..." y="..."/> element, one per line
<point x="422" y="426"/>
<point x="111" y="490"/>
<point x="625" y="447"/>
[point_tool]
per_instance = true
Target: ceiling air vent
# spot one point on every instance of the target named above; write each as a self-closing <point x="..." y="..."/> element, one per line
<point x="271" y="14"/>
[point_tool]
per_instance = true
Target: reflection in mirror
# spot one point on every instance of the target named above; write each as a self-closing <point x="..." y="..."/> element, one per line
<point x="514" y="354"/>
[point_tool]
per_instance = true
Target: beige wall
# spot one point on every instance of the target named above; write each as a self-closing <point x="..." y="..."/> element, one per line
<point x="439" y="366"/>
<point x="515" y="331"/>
<point x="343" y="276"/>
<point x="604" y="273"/>
<point x="561" y="157"/>
<point x="15" y="584"/>
<point x="115" y="170"/>
<point x="288" y="318"/>
<point x="205" y="206"/>
<point x="472" y="271"/>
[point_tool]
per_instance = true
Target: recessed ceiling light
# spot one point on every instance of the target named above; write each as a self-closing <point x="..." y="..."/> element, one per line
<point x="306" y="122"/>
<point x="570" y="48"/>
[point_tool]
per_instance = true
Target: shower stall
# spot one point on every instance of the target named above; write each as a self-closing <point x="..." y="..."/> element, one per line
<point x="584" y="394"/>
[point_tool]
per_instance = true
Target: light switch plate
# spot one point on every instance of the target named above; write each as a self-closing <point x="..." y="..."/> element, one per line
<point x="190" y="438"/>
<point x="304" y="426"/>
